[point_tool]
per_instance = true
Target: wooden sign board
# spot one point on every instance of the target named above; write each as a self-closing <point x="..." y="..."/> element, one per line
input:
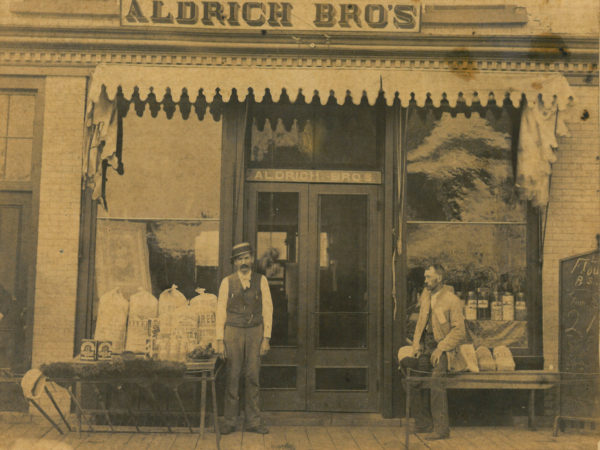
<point x="579" y="333"/>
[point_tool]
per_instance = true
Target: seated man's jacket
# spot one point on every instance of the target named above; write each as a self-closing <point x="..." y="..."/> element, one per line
<point x="448" y="323"/>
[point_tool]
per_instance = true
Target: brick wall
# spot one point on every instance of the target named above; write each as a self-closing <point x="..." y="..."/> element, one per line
<point x="574" y="213"/>
<point x="58" y="238"/>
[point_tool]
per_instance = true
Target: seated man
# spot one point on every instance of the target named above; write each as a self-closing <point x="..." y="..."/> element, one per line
<point x="440" y="330"/>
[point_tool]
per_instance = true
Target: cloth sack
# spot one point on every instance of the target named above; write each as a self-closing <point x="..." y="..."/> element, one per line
<point x="33" y="383"/>
<point x="168" y="301"/>
<point x="206" y="306"/>
<point x="184" y="332"/>
<point x="142" y="307"/>
<point x="485" y="359"/>
<point x="504" y="358"/>
<point x="467" y="351"/>
<point x="111" y="324"/>
<point x="405" y="352"/>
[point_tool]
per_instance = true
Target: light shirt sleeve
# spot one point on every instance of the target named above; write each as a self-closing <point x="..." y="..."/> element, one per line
<point x="267" y="306"/>
<point x="221" y="315"/>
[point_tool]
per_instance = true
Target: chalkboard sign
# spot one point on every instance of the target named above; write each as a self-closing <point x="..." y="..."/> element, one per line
<point x="579" y="352"/>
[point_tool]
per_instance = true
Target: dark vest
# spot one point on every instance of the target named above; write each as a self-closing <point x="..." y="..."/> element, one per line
<point x="244" y="307"/>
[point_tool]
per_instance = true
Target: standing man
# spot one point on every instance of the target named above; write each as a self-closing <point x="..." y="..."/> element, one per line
<point x="440" y="330"/>
<point x="244" y="321"/>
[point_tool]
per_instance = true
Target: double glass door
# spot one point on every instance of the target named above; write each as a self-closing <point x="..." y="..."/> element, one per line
<point x="317" y="245"/>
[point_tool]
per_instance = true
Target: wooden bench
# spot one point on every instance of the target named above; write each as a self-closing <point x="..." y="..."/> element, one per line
<point x="531" y="380"/>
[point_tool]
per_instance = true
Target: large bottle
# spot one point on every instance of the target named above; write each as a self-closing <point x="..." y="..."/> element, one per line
<point x="520" y="307"/>
<point x="508" y="306"/>
<point x="471" y="307"/>
<point x="483" y="305"/>
<point x="496" y="306"/>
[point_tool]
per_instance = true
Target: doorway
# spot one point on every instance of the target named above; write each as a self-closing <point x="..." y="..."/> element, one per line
<point x="318" y="245"/>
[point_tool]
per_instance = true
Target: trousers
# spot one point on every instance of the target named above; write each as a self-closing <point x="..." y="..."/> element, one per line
<point x="430" y="407"/>
<point x="243" y="357"/>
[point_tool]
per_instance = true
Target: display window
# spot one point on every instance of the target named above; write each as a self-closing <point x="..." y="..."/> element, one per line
<point x="463" y="210"/>
<point x="161" y="224"/>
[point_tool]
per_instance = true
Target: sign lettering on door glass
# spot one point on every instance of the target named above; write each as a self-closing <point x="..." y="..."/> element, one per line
<point x="314" y="176"/>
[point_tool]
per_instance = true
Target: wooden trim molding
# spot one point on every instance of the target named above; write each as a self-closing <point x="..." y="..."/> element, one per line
<point x="65" y="8"/>
<point x="187" y="44"/>
<point x="31" y="57"/>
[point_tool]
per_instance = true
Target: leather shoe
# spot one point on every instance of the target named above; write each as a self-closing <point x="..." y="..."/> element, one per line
<point x="436" y="436"/>
<point x="226" y="429"/>
<point x="260" y="429"/>
<point x="423" y="429"/>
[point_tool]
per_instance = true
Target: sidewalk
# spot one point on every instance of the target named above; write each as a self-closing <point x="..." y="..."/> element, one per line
<point x="36" y="435"/>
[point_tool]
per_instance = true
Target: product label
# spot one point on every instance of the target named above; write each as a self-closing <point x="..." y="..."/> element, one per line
<point x="496" y="311"/>
<point x="508" y="312"/>
<point x="471" y="310"/>
<point x="104" y="351"/>
<point x="88" y="350"/>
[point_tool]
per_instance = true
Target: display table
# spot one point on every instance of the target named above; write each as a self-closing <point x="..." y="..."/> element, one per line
<point x="124" y="380"/>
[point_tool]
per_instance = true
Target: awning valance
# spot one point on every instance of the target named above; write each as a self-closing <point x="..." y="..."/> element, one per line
<point x="459" y="85"/>
<point x="539" y="128"/>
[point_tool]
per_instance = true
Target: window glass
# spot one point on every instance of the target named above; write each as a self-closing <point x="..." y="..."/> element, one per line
<point x="340" y="137"/>
<point x="277" y="231"/>
<point x="18" y="159"/>
<point x="462" y="211"/>
<point x="462" y="171"/>
<point x="343" y="266"/>
<point x="20" y="116"/>
<point x="16" y="133"/>
<point x="162" y="223"/>
<point x="3" y="115"/>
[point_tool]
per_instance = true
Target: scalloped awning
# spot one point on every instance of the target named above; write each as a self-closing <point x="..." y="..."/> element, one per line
<point x="463" y="85"/>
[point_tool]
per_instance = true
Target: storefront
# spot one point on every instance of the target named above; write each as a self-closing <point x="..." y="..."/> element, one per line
<point x="350" y="159"/>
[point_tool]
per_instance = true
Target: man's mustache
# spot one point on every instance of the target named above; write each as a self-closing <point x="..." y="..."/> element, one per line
<point x="245" y="266"/>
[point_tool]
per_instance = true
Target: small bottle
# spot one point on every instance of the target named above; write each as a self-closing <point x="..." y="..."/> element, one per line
<point x="483" y="306"/>
<point x="471" y="307"/>
<point x="520" y="307"/>
<point x="496" y="307"/>
<point x="508" y="306"/>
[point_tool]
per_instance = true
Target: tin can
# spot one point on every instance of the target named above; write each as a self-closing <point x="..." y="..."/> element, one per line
<point x="87" y="351"/>
<point x="104" y="351"/>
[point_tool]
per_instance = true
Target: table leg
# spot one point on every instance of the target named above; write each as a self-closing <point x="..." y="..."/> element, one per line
<point x="215" y="411"/>
<point x="38" y="407"/>
<point x="103" y="405"/>
<point x="77" y="387"/>
<point x="203" y="405"/>
<point x="51" y="397"/>
<point x="155" y="405"/>
<point x="557" y="411"/>
<point x="407" y="415"/>
<point x="80" y="412"/>
<point x="185" y="416"/>
<point x="531" y="408"/>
